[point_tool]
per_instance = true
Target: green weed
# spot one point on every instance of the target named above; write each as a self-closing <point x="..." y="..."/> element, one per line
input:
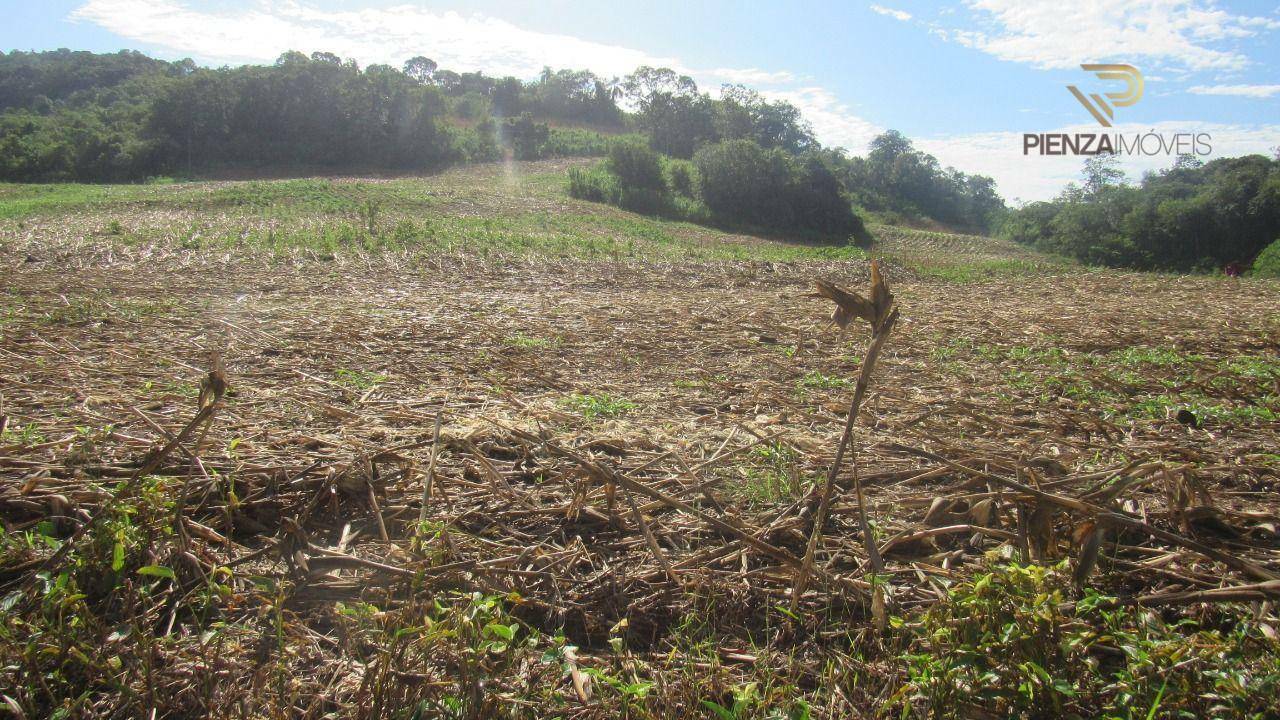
<point x="773" y="472"/>
<point x="1003" y="642"/>
<point x="358" y="379"/>
<point x="529" y="343"/>
<point x="814" y="380"/>
<point x="25" y="435"/>
<point x="601" y="405"/>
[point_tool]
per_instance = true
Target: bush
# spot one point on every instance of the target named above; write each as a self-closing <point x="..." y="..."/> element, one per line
<point x="1267" y="264"/>
<point x="645" y="201"/>
<point x="526" y="136"/>
<point x="599" y="184"/>
<point x="1032" y="225"/>
<point x="819" y="203"/>
<point x="740" y="182"/>
<point x="478" y="144"/>
<point x="635" y="165"/>
<point x="680" y="177"/>
<point x="471" y="106"/>
<point x="732" y="183"/>
<point x="1006" y="640"/>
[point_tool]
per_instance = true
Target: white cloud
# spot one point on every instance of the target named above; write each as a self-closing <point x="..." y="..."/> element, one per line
<point x="895" y="14"/>
<point x="1256" y="91"/>
<point x="1053" y="34"/>
<point x="1040" y="177"/>
<point x="746" y="76"/>
<point x="834" y="122"/>
<point x="373" y="35"/>
<point x="391" y="35"/>
<point x="457" y="41"/>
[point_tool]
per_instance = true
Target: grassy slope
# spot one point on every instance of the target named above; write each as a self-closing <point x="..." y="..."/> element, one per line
<point x="521" y="208"/>
<point x="518" y="208"/>
<point x="960" y="258"/>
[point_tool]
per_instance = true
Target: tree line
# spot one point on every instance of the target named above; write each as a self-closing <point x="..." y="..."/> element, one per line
<point x="87" y="117"/>
<point x="732" y="183"/>
<point x="895" y="179"/>
<point x="1193" y="216"/>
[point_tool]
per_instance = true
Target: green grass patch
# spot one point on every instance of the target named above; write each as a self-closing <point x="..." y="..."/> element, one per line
<point x="358" y="379"/>
<point x="601" y="405"/>
<point x="1254" y="367"/>
<point x="770" y="474"/>
<point x="101" y="307"/>
<point x="487" y="210"/>
<point x="1132" y="384"/>
<point x="526" y="342"/>
<point x="981" y="271"/>
<point x="814" y="380"/>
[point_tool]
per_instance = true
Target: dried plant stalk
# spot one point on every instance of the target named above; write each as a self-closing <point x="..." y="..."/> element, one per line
<point x="882" y="313"/>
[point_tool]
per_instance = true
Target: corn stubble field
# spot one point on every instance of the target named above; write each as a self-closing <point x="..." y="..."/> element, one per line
<point x="486" y="451"/>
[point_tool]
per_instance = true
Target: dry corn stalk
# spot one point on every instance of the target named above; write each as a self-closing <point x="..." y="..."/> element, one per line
<point x="881" y="312"/>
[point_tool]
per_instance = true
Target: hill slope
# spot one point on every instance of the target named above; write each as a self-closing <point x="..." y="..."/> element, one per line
<point x="515" y="207"/>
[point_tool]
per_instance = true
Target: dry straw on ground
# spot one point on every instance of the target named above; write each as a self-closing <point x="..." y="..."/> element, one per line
<point x="601" y="444"/>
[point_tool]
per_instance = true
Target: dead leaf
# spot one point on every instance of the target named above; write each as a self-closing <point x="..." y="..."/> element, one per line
<point x="982" y="512"/>
<point x="849" y="305"/>
<point x="1208" y="519"/>
<point x="881" y="298"/>
<point x="214" y="385"/>
<point x="1089" y="536"/>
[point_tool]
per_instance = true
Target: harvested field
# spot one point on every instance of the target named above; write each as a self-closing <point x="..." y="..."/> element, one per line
<point x="1057" y="469"/>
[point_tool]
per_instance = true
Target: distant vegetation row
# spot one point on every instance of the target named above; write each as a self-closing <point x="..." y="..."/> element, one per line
<point x="85" y="117"/>
<point x="733" y="183"/>
<point x="738" y="159"/>
<point x="1194" y="216"/>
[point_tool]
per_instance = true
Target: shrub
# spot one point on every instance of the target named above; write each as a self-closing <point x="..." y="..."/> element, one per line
<point x="680" y="177"/>
<point x="645" y="201"/>
<point x="635" y="165"/>
<point x="819" y="202"/>
<point x="1267" y="264"/>
<point x="740" y="182"/>
<point x="472" y="106"/>
<point x="1031" y="225"/>
<point x="1005" y="642"/>
<point x="526" y="136"/>
<point x="734" y="183"/>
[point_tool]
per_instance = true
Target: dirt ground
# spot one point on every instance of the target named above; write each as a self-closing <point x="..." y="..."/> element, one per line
<point x="721" y="385"/>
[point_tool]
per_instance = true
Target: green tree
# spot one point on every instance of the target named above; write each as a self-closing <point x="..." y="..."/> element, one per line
<point x="420" y="68"/>
<point x="1102" y="171"/>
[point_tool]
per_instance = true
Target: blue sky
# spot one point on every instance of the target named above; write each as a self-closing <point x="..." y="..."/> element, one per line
<point x="964" y="79"/>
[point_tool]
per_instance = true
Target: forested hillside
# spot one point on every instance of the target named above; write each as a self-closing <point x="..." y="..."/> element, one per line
<point x="76" y="116"/>
<point x="1193" y="216"/>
